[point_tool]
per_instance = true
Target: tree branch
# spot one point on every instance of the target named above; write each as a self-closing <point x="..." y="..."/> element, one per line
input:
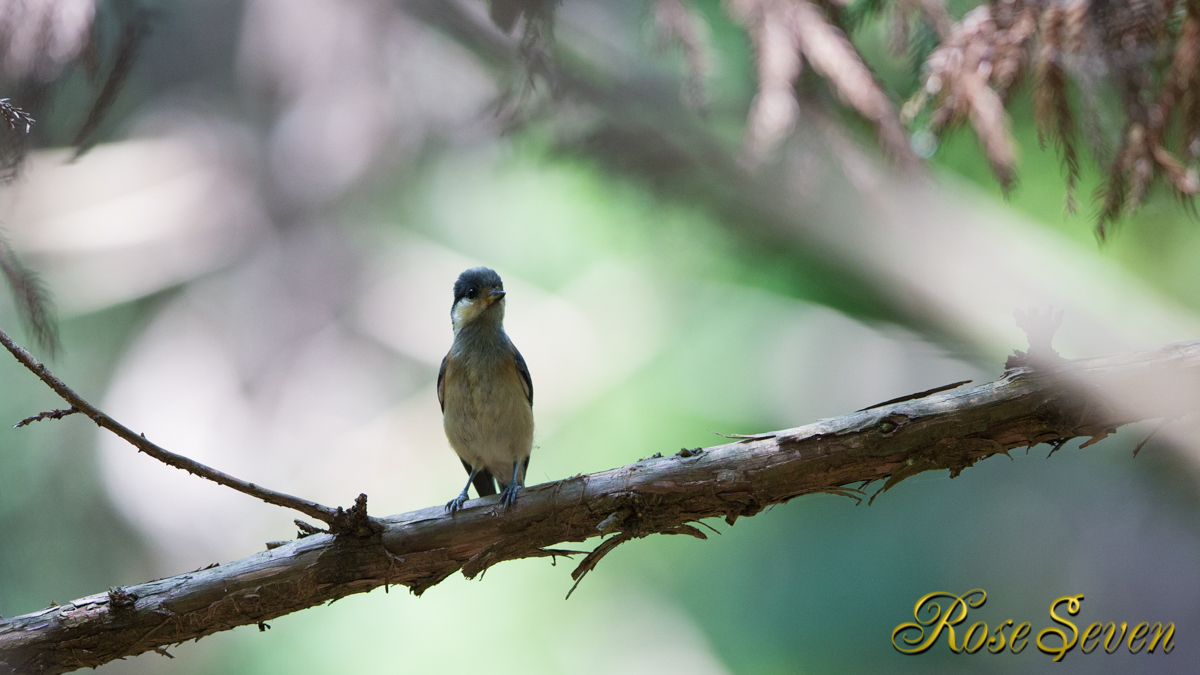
<point x="949" y="430"/>
<point x="339" y="520"/>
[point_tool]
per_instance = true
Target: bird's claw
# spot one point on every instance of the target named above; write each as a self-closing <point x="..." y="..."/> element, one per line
<point x="508" y="496"/>
<point x="456" y="503"/>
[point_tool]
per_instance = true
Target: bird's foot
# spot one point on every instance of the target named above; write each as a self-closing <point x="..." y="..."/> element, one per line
<point x="456" y="503"/>
<point x="508" y="496"/>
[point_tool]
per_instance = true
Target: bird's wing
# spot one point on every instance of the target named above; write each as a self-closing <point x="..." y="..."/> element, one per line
<point x="441" y="385"/>
<point x="523" y="371"/>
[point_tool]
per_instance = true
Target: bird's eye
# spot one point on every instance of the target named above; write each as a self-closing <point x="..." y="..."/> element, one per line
<point x="471" y="293"/>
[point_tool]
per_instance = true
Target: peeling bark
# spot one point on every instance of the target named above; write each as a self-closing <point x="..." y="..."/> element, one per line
<point x="951" y="430"/>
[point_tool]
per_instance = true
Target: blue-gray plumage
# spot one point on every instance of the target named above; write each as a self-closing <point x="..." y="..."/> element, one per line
<point x="485" y="391"/>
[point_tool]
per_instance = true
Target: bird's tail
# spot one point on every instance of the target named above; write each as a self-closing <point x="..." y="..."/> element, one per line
<point x="484" y="484"/>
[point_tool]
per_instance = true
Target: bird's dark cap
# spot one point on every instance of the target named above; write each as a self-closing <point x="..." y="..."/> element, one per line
<point x="475" y="279"/>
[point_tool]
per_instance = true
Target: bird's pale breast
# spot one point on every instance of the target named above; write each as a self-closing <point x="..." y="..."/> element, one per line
<point x="487" y="417"/>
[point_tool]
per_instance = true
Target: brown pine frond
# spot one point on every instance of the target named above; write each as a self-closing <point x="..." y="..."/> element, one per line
<point x="781" y="31"/>
<point x="1185" y="71"/>
<point x="33" y="302"/>
<point x="135" y="28"/>
<point x="1179" y="177"/>
<point x="537" y="35"/>
<point x="38" y="41"/>
<point x="777" y="62"/>
<point x="1076" y="26"/>
<point x="1140" y="171"/>
<point x="898" y="34"/>
<point x="968" y="76"/>
<point x="935" y="12"/>
<point x="1083" y="44"/>
<point x="1111" y="196"/>
<point x="41" y="44"/>
<point x="12" y="139"/>
<point x="1148" y="50"/>
<point x="1051" y="79"/>
<point x="930" y="12"/>
<point x="17" y="119"/>
<point x="1128" y="32"/>
<point x="1011" y="45"/>
<point x="833" y="57"/>
<point x="1144" y="156"/>
<point x="1128" y="179"/>
<point x="1051" y="108"/>
<point x="1189" y="113"/>
<point x="1185" y="65"/>
<point x="679" y="24"/>
<point x="990" y="121"/>
<point x="536" y="41"/>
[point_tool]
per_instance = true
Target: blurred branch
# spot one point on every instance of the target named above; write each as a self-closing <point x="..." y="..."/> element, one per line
<point x="352" y="520"/>
<point x="646" y="134"/>
<point x="872" y="242"/>
<point x="970" y="76"/>
<point x="950" y="430"/>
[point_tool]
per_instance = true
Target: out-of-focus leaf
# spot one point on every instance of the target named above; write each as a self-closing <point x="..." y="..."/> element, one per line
<point x="33" y="302"/>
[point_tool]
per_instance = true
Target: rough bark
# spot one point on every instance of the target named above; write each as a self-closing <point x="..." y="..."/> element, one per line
<point x="948" y="430"/>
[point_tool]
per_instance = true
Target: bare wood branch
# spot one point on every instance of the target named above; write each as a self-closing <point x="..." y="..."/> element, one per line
<point x="949" y="430"/>
<point x="47" y="415"/>
<point x="338" y="519"/>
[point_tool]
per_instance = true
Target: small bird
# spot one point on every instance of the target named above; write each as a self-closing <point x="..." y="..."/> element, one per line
<point x="485" y="391"/>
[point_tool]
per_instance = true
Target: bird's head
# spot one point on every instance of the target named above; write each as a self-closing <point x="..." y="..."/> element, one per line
<point x="478" y="296"/>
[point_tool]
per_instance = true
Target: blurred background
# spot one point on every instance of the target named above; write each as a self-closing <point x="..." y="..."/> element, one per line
<point x="253" y="266"/>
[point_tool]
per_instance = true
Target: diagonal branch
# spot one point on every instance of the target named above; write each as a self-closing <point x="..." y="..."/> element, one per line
<point x="951" y="430"/>
<point x="338" y="519"/>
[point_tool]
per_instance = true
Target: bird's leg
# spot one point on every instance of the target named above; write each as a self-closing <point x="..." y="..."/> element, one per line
<point x="456" y="503"/>
<point x="509" y="496"/>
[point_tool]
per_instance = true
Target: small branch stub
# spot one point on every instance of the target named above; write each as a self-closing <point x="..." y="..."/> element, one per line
<point x="48" y="415"/>
<point x="1039" y="328"/>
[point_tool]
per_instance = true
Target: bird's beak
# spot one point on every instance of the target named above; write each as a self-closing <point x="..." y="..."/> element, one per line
<point x="495" y="295"/>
